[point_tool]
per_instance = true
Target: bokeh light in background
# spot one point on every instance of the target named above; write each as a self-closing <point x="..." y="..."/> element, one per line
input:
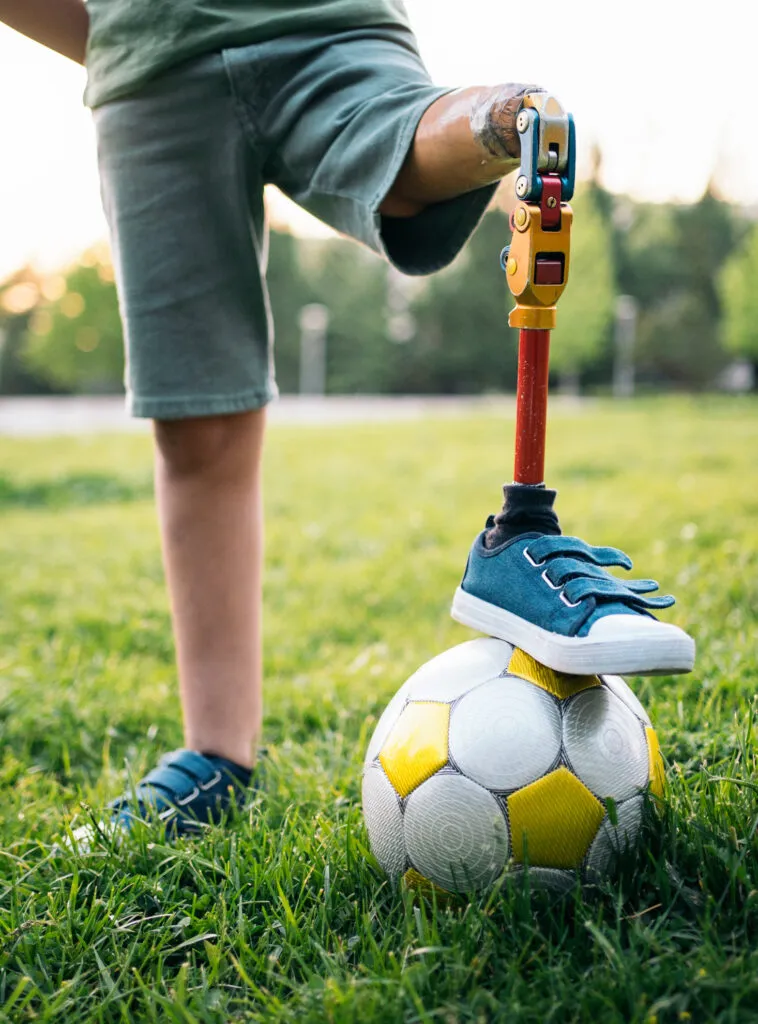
<point x="663" y="88"/>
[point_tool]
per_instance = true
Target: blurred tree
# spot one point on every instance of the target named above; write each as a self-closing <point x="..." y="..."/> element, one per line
<point x="677" y="340"/>
<point x="647" y="267"/>
<point x="19" y="297"/>
<point x="289" y="290"/>
<point x="463" y="344"/>
<point x="585" y="311"/>
<point x="707" y="231"/>
<point x="669" y="260"/>
<point x="739" y="297"/>
<point x="352" y="283"/>
<point x="74" y="339"/>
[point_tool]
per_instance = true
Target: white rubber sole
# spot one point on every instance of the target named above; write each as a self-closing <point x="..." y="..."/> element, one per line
<point x="643" y="647"/>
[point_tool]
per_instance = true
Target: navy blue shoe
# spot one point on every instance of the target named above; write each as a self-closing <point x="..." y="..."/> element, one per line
<point x="554" y="598"/>
<point x="184" y="794"/>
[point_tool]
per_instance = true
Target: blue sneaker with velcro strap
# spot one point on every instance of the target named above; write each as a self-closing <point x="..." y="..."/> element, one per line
<point x="553" y="597"/>
<point x="184" y="794"/>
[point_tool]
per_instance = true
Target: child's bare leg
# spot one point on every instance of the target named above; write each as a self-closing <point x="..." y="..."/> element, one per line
<point x="464" y="140"/>
<point x="208" y="485"/>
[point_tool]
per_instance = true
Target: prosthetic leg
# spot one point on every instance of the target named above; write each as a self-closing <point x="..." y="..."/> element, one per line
<point x="550" y="595"/>
<point x="536" y="264"/>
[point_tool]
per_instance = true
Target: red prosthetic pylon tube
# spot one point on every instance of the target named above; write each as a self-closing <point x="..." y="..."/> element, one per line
<point x="531" y="406"/>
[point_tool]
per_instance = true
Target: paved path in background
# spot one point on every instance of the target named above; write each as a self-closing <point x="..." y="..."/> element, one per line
<point x="35" y="417"/>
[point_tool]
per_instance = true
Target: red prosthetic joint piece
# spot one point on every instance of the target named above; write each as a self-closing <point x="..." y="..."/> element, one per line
<point x="550" y="202"/>
<point x="548" y="271"/>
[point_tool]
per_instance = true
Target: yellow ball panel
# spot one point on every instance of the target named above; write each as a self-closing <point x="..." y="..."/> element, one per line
<point x="657" y="772"/>
<point x="560" y="684"/>
<point x="417" y="745"/>
<point x="415" y="881"/>
<point x="553" y="821"/>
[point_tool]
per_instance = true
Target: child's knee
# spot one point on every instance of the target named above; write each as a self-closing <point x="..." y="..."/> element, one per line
<point x="209" y="444"/>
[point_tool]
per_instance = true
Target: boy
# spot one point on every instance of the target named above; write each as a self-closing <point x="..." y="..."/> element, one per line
<point x="198" y="104"/>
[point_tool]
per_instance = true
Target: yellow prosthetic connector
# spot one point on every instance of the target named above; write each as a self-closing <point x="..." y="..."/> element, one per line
<point x="537" y="266"/>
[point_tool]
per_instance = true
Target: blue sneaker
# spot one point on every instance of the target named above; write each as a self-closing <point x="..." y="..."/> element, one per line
<point x="553" y="598"/>
<point x="185" y="794"/>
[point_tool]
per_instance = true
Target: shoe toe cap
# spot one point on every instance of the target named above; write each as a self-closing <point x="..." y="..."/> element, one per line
<point x="626" y="627"/>
<point x="639" y="644"/>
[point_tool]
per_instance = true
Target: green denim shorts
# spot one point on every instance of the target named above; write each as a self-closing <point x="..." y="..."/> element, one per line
<point x="183" y="162"/>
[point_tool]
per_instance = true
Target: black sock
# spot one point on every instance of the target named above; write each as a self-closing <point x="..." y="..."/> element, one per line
<point x="526" y="509"/>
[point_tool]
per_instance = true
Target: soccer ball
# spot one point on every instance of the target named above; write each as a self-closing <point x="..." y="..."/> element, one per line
<point x="486" y="761"/>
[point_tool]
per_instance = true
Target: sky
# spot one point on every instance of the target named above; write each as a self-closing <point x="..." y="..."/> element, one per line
<point x="664" y="88"/>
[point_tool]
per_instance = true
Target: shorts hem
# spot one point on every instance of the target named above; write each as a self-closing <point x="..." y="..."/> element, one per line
<point x="206" y="405"/>
<point x="430" y="240"/>
<point x="405" y="136"/>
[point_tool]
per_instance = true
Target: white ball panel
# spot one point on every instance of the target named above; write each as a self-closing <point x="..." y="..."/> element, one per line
<point x="605" y="744"/>
<point x="506" y="733"/>
<point x="459" y="669"/>
<point x="383" y="727"/>
<point x="384" y="820"/>
<point x="624" y="693"/>
<point x="612" y="840"/>
<point x="455" y="833"/>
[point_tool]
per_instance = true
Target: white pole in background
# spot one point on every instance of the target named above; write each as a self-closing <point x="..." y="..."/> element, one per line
<point x="314" y="320"/>
<point x="625" y="332"/>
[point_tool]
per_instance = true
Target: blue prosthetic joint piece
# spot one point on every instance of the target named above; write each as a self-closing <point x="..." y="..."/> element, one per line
<point x="537" y="157"/>
<point x="568" y="179"/>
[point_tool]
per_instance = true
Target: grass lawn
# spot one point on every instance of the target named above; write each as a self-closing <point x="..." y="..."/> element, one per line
<point x="287" y="918"/>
